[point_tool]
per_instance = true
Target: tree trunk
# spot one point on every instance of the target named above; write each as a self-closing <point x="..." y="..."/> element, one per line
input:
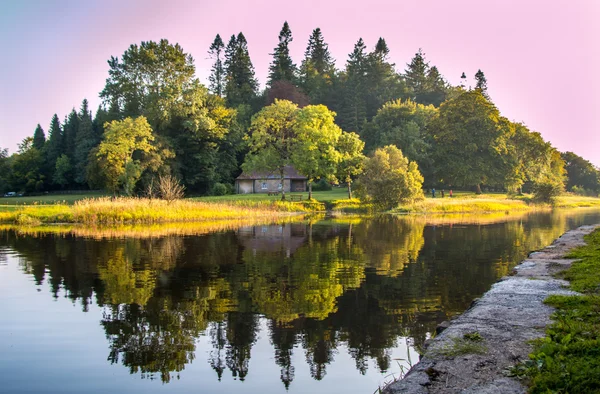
<point x="349" y="190"/>
<point x="282" y="185"/>
<point x="310" y="190"/>
<point x="478" y="189"/>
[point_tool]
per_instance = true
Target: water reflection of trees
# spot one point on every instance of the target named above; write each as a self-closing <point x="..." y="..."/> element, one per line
<point x="361" y="284"/>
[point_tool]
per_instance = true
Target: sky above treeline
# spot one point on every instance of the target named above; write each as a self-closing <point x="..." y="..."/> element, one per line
<point x="541" y="58"/>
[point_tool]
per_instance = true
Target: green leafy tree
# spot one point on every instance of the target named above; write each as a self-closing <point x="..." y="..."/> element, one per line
<point x="318" y="69"/>
<point x="120" y="163"/>
<point x="390" y="179"/>
<point x="470" y="141"/>
<point x="581" y="173"/>
<point x="217" y="75"/>
<point x="39" y="138"/>
<point x="282" y="68"/>
<point x="240" y="83"/>
<point x="272" y="139"/>
<point x="313" y="153"/>
<point x="149" y="80"/>
<point x="62" y="171"/>
<point x="351" y="161"/>
<point x="551" y="183"/>
<point x="403" y="124"/>
<point x="26" y="168"/>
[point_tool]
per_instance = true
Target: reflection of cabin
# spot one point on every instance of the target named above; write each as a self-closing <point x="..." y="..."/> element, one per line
<point x="270" y="182"/>
<point x="273" y="238"/>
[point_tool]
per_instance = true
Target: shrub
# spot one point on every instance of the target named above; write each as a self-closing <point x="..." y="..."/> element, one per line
<point x="390" y="179"/>
<point x="169" y="188"/>
<point x="321" y="186"/>
<point x="220" y="189"/>
<point x="547" y="190"/>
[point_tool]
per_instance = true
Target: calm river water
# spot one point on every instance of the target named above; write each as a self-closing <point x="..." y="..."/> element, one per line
<point x="334" y="305"/>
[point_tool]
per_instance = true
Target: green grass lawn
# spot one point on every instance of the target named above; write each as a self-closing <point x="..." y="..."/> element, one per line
<point x="337" y="193"/>
<point x="48" y="199"/>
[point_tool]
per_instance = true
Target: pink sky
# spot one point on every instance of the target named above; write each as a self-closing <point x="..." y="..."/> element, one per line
<point x="541" y="58"/>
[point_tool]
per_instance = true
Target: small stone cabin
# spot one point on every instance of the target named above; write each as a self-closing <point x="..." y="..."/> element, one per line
<point x="269" y="182"/>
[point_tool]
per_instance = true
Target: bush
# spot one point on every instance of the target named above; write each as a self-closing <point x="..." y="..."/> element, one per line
<point x="547" y="190"/>
<point x="390" y="179"/>
<point x="321" y="186"/>
<point x="220" y="189"/>
<point x="169" y="188"/>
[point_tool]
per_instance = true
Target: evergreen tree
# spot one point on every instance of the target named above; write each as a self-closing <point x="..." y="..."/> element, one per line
<point x="435" y="88"/>
<point x="240" y="83"/>
<point x="481" y="84"/>
<point x="383" y="84"/>
<point x="217" y="75"/>
<point x="317" y="69"/>
<point x="70" y="129"/>
<point x="352" y="115"/>
<point x="39" y="138"/>
<point x="416" y="75"/>
<point x="53" y="147"/>
<point x="282" y="68"/>
<point x="85" y="141"/>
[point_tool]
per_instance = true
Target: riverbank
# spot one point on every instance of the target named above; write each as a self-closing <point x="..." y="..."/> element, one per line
<point x="109" y="211"/>
<point x="476" y="352"/>
<point x="124" y="210"/>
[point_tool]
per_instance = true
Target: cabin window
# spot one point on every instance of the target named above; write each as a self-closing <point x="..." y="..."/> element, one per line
<point x="263" y="186"/>
<point x="280" y="186"/>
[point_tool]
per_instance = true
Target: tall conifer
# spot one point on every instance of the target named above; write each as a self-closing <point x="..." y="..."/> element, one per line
<point x="39" y="138"/>
<point x="282" y="68"/>
<point x="240" y="82"/>
<point x="217" y="75"/>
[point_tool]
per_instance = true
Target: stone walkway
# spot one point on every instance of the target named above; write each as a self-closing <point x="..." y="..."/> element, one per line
<point x="506" y="317"/>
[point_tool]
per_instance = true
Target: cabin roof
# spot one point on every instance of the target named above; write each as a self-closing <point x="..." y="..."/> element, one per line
<point x="289" y="172"/>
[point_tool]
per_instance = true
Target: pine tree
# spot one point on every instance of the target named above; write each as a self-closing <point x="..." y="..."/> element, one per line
<point x="416" y="75"/>
<point x="84" y="143"/>
<point x="282" y="68"/>
<point x="481" y="84"/>
<point x="70" y="129"/>
<point x="240" y="82"/>
<point x="39" y="138"/>
<point x="217" y="75"/>
<point x="317" y="70"/>
<point x="435" y="88"/>
<point x="54" y="147"/>
<point x="353" y="112"/>
<point x="383" y="83"/>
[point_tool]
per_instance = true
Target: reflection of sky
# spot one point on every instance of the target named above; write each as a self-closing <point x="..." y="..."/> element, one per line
<point x="540" y="58"/>
<point x="51" y="346"/>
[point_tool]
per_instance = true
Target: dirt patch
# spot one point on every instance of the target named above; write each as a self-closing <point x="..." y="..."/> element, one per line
<point x="472" y="352"/>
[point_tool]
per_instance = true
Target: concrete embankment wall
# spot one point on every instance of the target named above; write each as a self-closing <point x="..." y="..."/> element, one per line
<point x="506" y="318"/>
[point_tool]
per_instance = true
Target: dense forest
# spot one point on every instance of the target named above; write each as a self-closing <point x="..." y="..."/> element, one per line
<point x="156" y="118"/>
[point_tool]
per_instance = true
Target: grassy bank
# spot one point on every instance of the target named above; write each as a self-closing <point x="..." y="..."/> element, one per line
<point x="138" y="210"/>
<point x="568" y="359"/>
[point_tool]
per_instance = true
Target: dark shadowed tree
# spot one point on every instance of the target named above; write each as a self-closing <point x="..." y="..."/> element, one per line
<point x="240" y="82"/>
<point x="317" y="69"/>
<point x="285" y="90"/>
<point x="282" y="68"/>
<point x="39" y="138"/>
<point x="217" y="75"/>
